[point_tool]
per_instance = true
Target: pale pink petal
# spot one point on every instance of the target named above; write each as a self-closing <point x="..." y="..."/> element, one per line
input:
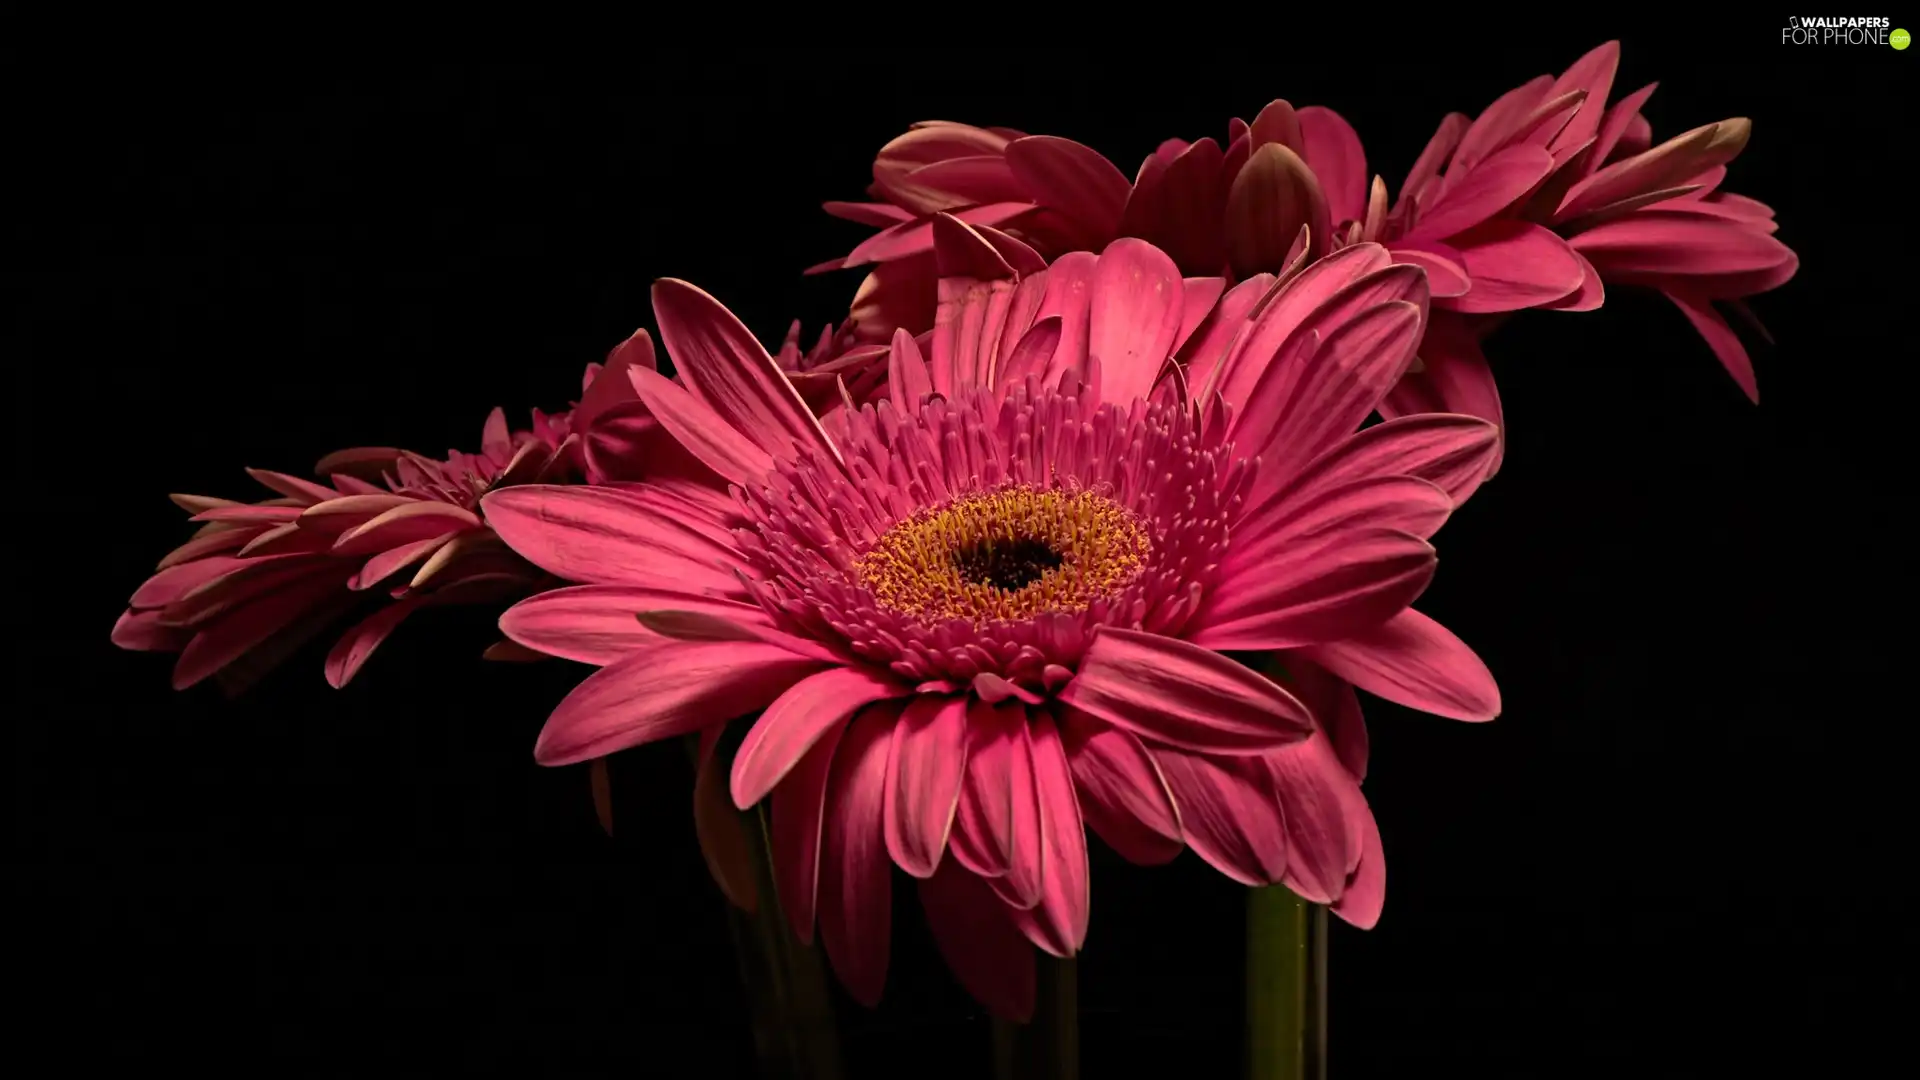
<point x="981" y="946"/>
<point x="1180" y="694"/>
<point x="725" y="367"/>
<point x="1416" y="662"/>
<point x="1721" y="339"/>
<point x="700" y="430"/>
<point x="799" y="810"/>
<point x="596" y="624"/>
<point x="1058" y="923"/>
<point x="1514" y="265"/>
<point x="601" y="536"/>
<point x="1122" y="795"/>
<point x="1072" y="180"/>
<point x="1229" y="813"/>
<point x="856" y="887"/>
<point x="1350" y="581"/>
<point x="1138" y="301"/>
<point x="666" y="687"/>
<point x="803" y="715"/>
<point x="1333" y="149"/>
<point x="925" y="769"/>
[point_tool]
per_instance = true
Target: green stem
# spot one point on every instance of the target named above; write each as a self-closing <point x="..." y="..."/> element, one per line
<point x="1047" y="1048"/>
<point x="1286" y="986"/>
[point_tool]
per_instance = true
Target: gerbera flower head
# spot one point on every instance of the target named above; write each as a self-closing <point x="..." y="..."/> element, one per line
<point x="994" y="608"/>
<point x="388" y="529"/>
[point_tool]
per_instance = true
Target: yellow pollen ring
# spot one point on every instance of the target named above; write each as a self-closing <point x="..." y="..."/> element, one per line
<point x="1006" y="555"/>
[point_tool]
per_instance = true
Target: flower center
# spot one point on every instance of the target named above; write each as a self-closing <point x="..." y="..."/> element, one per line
<point x="1012" y="553"/>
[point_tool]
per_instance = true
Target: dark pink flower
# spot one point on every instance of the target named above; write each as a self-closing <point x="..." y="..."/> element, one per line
<point x="990" y="609"/>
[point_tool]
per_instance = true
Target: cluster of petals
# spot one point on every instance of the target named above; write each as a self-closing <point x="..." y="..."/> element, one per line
<point x="1546" y="196"/>
<point x="992" y="608"/>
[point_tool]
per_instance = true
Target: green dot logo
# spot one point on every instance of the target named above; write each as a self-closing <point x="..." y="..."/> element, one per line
<point x="1899" y="39"/>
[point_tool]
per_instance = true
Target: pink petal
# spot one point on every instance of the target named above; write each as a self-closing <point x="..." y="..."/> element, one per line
<point x="973" y="179"/>
<point x="1229" y="813"/>
<point x="610" y="386"/>
<point x="979" y="943"/>
<point x="1427" y="166"/>
<point x="177" y="581"/>
<point x="357" y="645"/>
<point x="1493" y="127"/>
<point x="1444" y="266"/>
<point x="1592" y="73"/>
<point x="202" y="546"/>
<point x="1281" y="531"/>
<point x="666" y="687"/>
<point x="725" y="367"/>
<point x="1122" y="795"/>
<point x="856" y="888"/>
<point x="1670" y="164"/>
<point x="293" y="487"/>
<point x="1180" y="212"/>
<point x="1032" y="356"/>
<point x="701" y="430"/>
<point x="879" y="215"/>
<point x="907" y="380"/>
<point x="601" y="536"/>
<point x="916" y="237"/>
<point x="1015" y="253"/>
<point x="1591" y="294"/>
<point x="1277" y="122"/>
<point x="407" y="524"/>
<point x="799" y="810"/>
<point x="250" y="624"/>
<point x="391" y="561"/>
<point x="1415" y="662"/>
<point x="1058" y="923"/>
<point x="1274" y="195"/>
<point x="1180" y="694"/>
<point x="1335" y="707"/>
<point x="1318" y="298"/>
<point x="363" y="462"/>
<point x="812" y="708"/>
<point x="1492" y="186"/>
<point x="1614" y="124"/>
<point x="249" y="514"/>
<point x="1201" y="294"/>
<point x="245" y="582"/>
<point x="1070" y="296"/>
<point x="142" y="631"/>
<point x="997" y="830"/>
<point x="1307" y="401"/>
<point x="1450" y="452"/>
<point x="1514" y="265"/>
<point x="1333" y="149"/>
<point x="719" y="828"/>
<point x="1138" y="301"/>
<point x="1352" y="580"/>
<point x="1665" y="243"/>
<point x="1456" y="379"/>
<point x="1073" y="180"/>
<point x="1366" y="890"/>
<point x="925" y="769"/>
<point x="1206" y="345"/>
<point x="596" y="624"/>
<point x="1721" y="339"/>
<point x="1315" y="797"/>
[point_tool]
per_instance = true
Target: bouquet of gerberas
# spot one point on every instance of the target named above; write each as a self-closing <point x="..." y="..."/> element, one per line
<point x="1077" y="522"/>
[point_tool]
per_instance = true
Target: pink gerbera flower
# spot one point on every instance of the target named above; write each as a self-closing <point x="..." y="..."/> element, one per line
<point x="259" y="579"/>
<point x="993" y="609"/>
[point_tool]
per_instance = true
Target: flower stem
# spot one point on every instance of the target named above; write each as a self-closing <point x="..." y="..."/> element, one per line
<point x="1286" y="986"/>
<point x="804" y="1042"/>
<point x="1048" y="1047"/>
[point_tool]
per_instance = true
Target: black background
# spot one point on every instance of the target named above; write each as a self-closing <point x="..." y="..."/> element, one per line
<point x="1681" y="851"/>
